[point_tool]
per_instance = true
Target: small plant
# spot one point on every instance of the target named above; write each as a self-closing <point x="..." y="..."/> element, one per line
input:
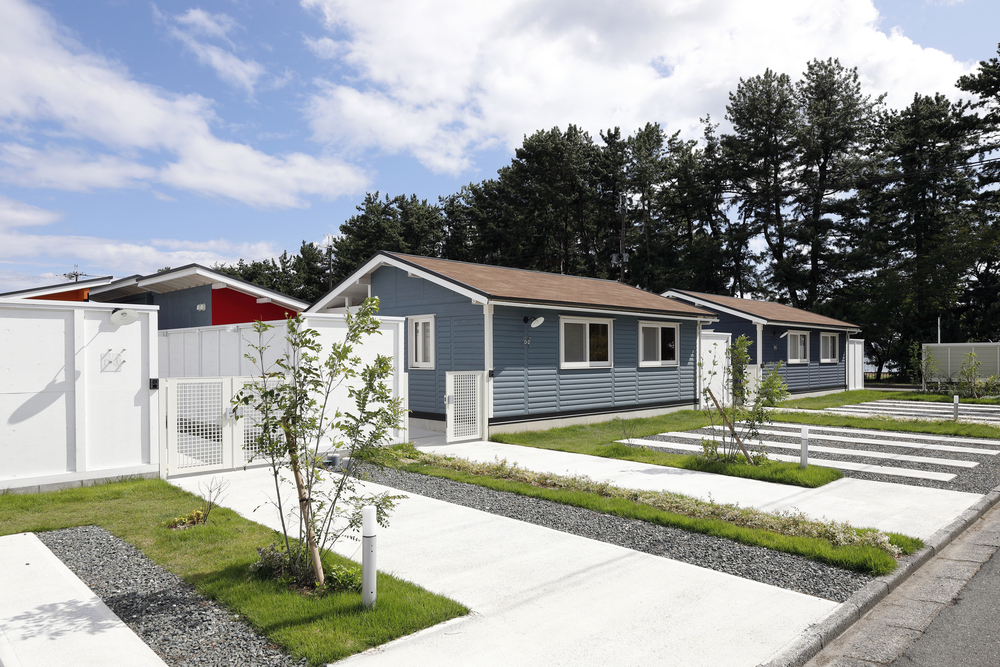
<point x="274" y="563"/>
<point x="969" y="383"/>
<point x="744" y="410"/>
<point x="923" y="366"/>
<point x="627" y="427"/>
<point x="193" y="518"/>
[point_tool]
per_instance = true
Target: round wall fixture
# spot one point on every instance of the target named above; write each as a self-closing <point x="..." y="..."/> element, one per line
<point x="120" y="316"/>
<point x="534" y="322"/>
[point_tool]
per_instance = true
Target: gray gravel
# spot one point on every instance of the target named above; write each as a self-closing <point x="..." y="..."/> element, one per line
<point x="184" y="628"/>
<point x="981" y="479"/>
<point x="750" y="562"/>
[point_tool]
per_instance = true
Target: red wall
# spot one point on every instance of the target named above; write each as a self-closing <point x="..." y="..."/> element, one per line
<point x="81" y="294"/>
<point x="232" y="307"/>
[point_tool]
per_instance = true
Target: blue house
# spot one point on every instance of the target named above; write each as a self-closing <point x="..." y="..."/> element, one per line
<point x="817" y="351"/>
<point x="492" y="349"/>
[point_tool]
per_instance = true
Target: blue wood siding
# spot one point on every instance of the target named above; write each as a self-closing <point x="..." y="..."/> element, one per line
<point x="528" y="381"/>
<point x="813" y="376"/>
<point x="458" y="332"/>
<point x="737" y="326"/>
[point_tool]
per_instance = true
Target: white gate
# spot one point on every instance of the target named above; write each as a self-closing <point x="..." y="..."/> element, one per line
<point x="855" y="363"/>
<point x="199" y="432"/>
<point x="465" y="405"/>
<point x="712" y="367"/>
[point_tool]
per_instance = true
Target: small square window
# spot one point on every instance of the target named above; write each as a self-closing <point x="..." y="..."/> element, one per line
<point x="798" y="347"/>
<point x="658" y="344"/>
<point x="585" y="343"/>
<point x="828" y="348"/>
<point x="421" y="346"/>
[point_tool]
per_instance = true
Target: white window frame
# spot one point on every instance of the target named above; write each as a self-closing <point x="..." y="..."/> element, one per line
<point x="563" y="321"/>
<point x="659" y="326"/>
<point x="836" y="348"/>
<point x="411" y="330"/>
<point x="794" y="336"/>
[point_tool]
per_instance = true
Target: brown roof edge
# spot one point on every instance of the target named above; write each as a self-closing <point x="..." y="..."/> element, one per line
<point x="773" y="313"/>
<point x="499" y="283"/>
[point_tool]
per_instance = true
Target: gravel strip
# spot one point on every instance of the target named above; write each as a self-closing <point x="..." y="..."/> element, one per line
<point x="756" y="563"/>
<point x="179" y="624"/>
<point x="981" y="479"/>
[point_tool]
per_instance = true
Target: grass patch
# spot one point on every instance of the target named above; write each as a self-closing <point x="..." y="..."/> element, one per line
<point x="865" y="395"/>
<point x="594" y="439"/>
<point x="960" y="429"/>
<point x="860" y="558"/>
<point x="215" y="558"/>
<point x="771" y="471"/>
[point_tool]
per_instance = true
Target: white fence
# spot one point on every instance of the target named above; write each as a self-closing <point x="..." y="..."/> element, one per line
<point x="855" y="363"/>
<point x="220" y="351"/>
<point x="75" y="402"/>
<point x="948" y="358"/>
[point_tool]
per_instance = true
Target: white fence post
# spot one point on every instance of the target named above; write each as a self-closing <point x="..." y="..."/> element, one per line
<point x="369" y="572"/>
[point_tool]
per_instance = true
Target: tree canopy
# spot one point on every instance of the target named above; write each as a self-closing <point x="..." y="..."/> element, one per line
<point x="817" y="196"/>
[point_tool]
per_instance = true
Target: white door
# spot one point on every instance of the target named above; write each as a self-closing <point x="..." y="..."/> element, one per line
<point x="712" y="367"/>
<point x="856" y="363"/>
<point x="465" y="405"/>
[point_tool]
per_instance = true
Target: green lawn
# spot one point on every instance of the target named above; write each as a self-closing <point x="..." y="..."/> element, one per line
<point x="633" y="505"/>
<point x="215" y="557"/>
<point x="599" y="440"/>
<point x="864" y="395"/>
<point x="961" y="429"/>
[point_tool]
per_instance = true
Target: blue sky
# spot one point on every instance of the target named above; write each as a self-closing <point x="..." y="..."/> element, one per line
<point x="137" y="135"/>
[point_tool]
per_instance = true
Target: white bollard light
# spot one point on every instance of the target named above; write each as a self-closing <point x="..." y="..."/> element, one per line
<point x="804" y="458"/>
<point x="956" y="407"/>
<point x="369" y="573"/>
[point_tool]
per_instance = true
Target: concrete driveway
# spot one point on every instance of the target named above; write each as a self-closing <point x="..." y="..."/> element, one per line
<point x="542" y="597"/>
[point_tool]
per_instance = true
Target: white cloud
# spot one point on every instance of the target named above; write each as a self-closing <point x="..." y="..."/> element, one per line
<point x="51" y="82"/>
<point x="209" y="25"/>
<point x="195" y="23"/>
<point x="18" y="214"/>
<point x="98" y="255"/>
<point x="69" y="169"/>
<point x="443" y="80"/>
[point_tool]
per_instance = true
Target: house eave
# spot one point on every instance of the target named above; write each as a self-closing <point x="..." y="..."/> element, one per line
<point x="578" y="308"/>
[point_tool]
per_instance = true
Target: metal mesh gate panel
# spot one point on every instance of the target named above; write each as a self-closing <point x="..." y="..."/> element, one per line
<point x="199" y="424"/>
<point x="251" y="430"/>
<point x="466" y="415"/>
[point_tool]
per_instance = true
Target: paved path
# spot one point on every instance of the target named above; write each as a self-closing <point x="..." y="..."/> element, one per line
<point x="869" y="451"/>
<point x="913" y="510"/>
<point x="543" y="597"/>
<point x="945" y="614"/>
<point x="988" y="414"/>
<point x="49" y="617"/>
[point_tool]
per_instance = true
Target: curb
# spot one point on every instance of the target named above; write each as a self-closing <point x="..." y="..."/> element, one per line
<point x="816" y="638"/>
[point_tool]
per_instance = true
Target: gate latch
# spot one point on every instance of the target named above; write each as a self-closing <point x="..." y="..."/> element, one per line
<point x="449" y="399"/>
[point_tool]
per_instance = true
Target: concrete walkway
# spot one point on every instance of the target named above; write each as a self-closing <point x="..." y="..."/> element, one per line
<point x="912" y="510"/>
<point x="49" y="617"/>
<point x="542" y="597"/>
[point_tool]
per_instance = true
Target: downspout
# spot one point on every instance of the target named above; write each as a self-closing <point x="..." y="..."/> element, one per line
<point x="488" y="359"/>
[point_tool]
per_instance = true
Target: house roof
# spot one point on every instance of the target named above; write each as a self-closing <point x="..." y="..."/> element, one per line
<point x="764" y="312"/>
<point x="49" y="290"/>
<point x="185" y="277"/>
<point x="499" y="284"/>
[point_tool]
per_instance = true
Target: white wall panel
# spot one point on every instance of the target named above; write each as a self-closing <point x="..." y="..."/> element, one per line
<point x="75" y="403"/>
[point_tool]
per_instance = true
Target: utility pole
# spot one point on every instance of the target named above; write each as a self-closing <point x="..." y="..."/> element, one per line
<point x="620" y="258"/>
<point x="329" y="262"/>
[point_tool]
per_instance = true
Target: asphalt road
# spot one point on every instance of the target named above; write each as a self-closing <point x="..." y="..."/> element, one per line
<point x="965" y="633"/>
